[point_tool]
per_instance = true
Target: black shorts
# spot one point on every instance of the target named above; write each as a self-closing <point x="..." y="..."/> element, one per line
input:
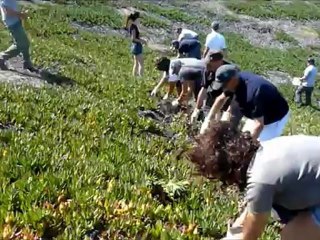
<point x="192" y="74"/>
<point x="286" y="215"/>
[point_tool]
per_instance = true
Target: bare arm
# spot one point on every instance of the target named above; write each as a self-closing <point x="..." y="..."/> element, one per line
<point x="201" y="97"/>
<point x="254" y="225"/>
<point x="305" y="75"/>
<point x="135" y="39"/>
<point x="258" y="127"/>
<point x="11" y="12"/>
<point x="163" y="80"/>
<point x="205" y="52"/>
<point x="216" y="107"/>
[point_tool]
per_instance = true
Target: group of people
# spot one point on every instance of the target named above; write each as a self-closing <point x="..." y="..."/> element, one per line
<point x="281" y="175"/>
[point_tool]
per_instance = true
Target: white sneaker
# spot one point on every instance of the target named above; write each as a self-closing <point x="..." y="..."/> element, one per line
<point x="233" y="233"/>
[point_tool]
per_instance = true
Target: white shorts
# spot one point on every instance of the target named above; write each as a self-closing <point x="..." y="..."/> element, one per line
<point x="269" y="131"/>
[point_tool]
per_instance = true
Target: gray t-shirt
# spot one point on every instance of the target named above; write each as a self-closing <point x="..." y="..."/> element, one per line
<point x="310" y="73"/>
<point x="285" y="172"/>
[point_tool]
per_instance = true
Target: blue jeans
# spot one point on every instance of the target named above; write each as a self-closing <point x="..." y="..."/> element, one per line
<point x="20" y="44"/>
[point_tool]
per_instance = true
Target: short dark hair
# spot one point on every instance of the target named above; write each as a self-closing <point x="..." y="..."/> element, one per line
<point x="162" y="64"/>
<point x="311" y="60"/>
<point x="132" y="16"/>
<point x="224" y="153"/>
<point x="215" y="56"/>
<point x="175" y="44"/>
<point x="179" y="30"/>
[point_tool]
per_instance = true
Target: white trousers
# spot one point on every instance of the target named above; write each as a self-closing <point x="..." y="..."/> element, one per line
<point x="269" y="131"/>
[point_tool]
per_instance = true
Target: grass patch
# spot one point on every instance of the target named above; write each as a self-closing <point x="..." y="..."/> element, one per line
<point x="172" y="13"/>
<point x="296" y="10"/>
<point x="153" y="21"/>
<point x="283" y="37"/>
<point x="82" y="162"/>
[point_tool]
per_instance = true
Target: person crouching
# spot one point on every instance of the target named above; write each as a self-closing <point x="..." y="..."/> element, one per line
<point x="188" y="48"/>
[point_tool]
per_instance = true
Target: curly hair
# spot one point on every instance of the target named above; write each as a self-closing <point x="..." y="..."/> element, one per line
<point x="162" y="64"/>
<point x="224" y="153"/>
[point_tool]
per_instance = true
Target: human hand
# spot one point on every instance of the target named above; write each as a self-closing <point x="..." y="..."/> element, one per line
<point x="175" y="103"/>
<point x="166" y="96"/>
<point x="154" y="92"/>
<point x="194" y="115"/>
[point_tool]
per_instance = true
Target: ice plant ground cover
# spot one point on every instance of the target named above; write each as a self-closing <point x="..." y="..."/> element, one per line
<point x="76" y="159"/>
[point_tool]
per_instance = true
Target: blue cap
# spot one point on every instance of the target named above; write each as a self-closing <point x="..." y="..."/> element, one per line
<point x="223" y="75"/>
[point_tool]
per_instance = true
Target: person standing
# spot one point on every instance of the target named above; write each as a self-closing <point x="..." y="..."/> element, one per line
<point x="215" y="41"/>
<point x="136" y="46"/>
<point x="188" y="48"/>
<point x="258" y="99"/>
<point x="308" y="81"/>
<point x="12" y="19"/>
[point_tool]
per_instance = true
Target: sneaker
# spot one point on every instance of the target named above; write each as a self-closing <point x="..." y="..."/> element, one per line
<point x="233" y="233"/>
<point x="3" y="65"/>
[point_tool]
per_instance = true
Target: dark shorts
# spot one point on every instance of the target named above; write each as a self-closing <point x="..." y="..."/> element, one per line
<point x="136" y="49"/>
<point x="195" y="52"/>
<point x="192" y="74"/>
<point x="285" y="214"/>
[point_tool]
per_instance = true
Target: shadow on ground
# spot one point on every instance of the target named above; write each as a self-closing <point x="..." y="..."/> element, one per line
<point x="51" y="78"/>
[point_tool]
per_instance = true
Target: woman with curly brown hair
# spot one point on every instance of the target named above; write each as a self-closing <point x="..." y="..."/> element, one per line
<point x="282" y="173"/>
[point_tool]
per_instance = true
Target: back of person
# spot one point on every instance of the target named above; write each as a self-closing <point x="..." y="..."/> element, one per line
<point x="215" y="41"/>
<point x="9" y="20"/>
<point x="192" y="63"/>
<point x="287" y="169"/>
<point x="253" y="88"/>
<point x="190" y="47"/>
<point x="311" y="73"/>
<point x="187" y="34"/>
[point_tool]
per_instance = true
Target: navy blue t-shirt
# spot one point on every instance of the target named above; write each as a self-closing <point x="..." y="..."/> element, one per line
<point x="257" y="97"/>
<point x="187" y="45"/>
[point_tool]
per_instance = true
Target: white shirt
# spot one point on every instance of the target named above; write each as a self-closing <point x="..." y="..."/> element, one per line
<point x="185" y="62"/>
<point x="310" y="73"/>
<point x="187" y="34"/>
<point x="215" y="41"/>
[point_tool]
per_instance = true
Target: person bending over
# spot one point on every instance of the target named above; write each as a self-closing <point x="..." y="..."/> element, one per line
<point x="258" y="99"/>
<point x="186" y="72"/>
<point x="213" y="61"/>
<point x="163" y="64"/>
<point x="188" y="48"/>
<point x="291" y="188"/>
<point x="186" y="34"/>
